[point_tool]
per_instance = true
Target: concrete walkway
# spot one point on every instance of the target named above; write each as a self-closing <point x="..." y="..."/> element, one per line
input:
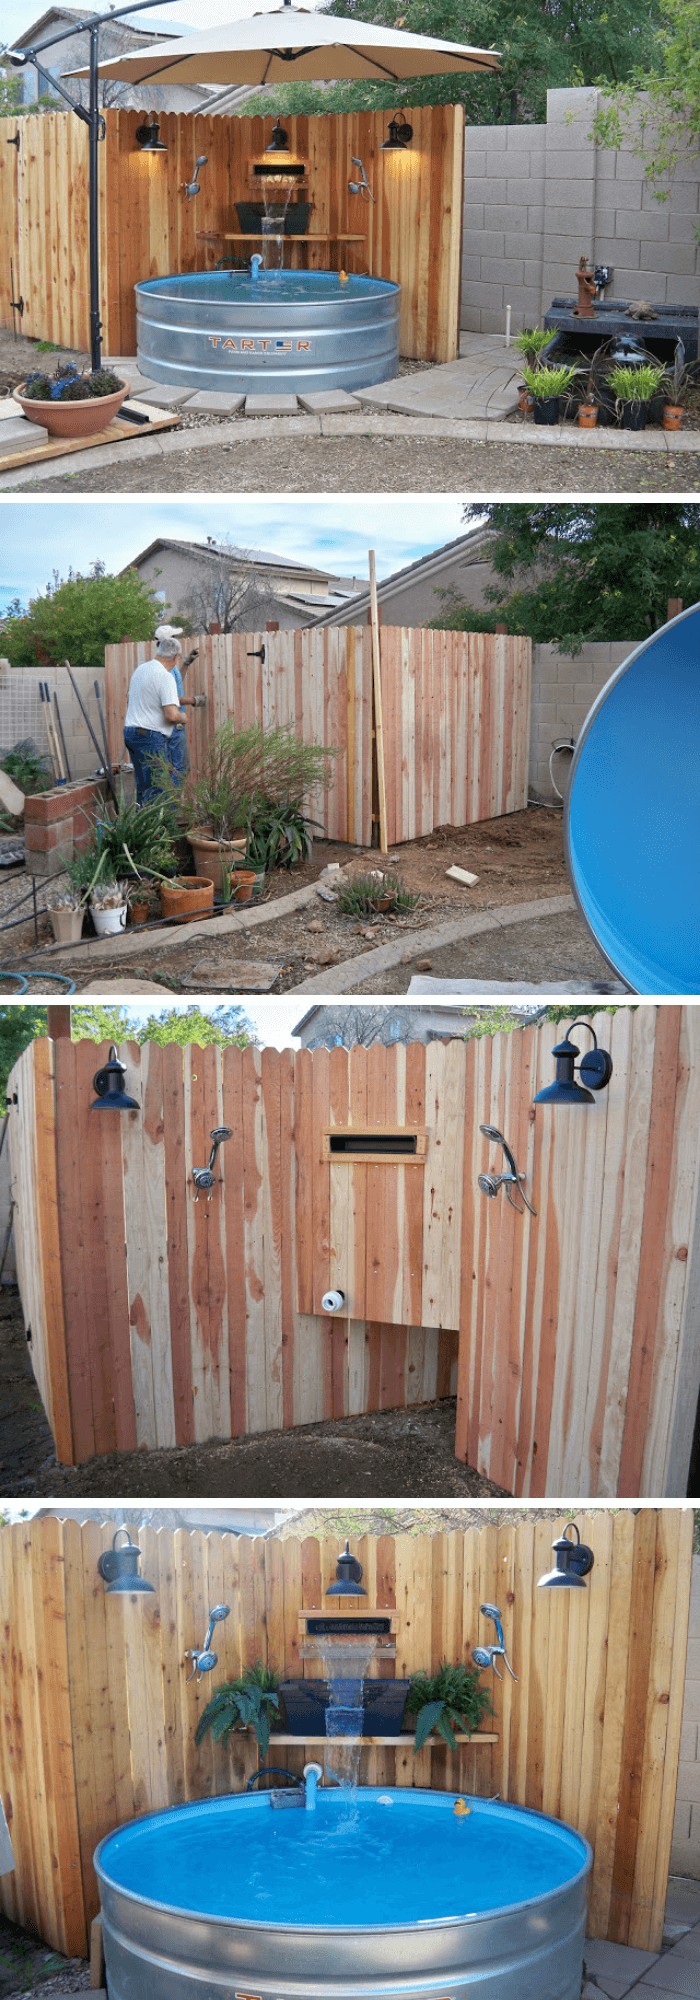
<point x="616" y="1970"/>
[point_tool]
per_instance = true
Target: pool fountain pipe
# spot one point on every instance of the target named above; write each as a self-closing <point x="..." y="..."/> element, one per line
<point x="204" y="1660"/>
<point x="312" y="1777"/>
<point x="204" y="1177"/>
<point x="486" y="1656"/>
<point x="191" y="188"/>
<point x="491" y="1184"/>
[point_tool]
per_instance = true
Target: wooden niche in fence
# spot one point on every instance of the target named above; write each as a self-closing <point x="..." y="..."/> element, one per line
<point x="590" y="1732"/>
<point x="572" y="1335"/>
<point x="411" y="233"/>
<point x="456" y="717"/>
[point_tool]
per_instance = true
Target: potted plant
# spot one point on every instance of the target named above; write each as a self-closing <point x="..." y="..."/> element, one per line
<point x="186" y="898"/>
<point x="249" y="779"/>
<point x="634" y="388"/>
<point x="66" y="910"/>
<point x="451" y="1700"/>
<point x="531" y="342"/>
<point x="306" y="1704"/>
<point x="142" y="903"/>
<point x="250" y="1702"/>
<point x="675" y="384"/>
<point x="587" y="413"/>
<point x="70" y="403"/>
<point x="375" y="893"/>
<point x="108" y="907"/>
<point x="548" y="383"/>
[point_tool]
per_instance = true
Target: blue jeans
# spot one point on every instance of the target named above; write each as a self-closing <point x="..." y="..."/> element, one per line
<point x="145" y="746"/>
<point x="177" y="751"/>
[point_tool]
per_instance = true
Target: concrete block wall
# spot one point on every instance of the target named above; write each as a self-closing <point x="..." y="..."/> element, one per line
<point x="537" y="196"/>
<point x="564" y="687"/>
<point x="685" y="1852"/>
<point x="22" y="714"/>
<point x="58" y="825"/>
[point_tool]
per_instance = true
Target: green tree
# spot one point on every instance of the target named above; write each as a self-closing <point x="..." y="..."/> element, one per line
<point x="224" y="1027"/>
<point x="544" y="44"/>
<point x="572" y="571"/>
<point x="77" y="616"/>
<point x="662" y="125"/>
<point x="18" y="1026"/>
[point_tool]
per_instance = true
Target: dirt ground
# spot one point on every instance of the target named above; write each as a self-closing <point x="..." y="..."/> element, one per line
<point x="386" y="1455"/>
<point x="27" y="1965"/>
<point x="518" y="858"/>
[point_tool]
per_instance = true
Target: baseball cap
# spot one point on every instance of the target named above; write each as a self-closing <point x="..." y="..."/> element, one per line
<point x="169" y="631"/>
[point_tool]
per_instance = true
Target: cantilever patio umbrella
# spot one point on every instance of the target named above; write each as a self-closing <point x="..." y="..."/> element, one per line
<point x="296" y="45"/>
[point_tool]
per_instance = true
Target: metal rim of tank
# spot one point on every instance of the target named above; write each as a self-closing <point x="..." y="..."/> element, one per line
<point x="594" y="711"/>
<point x="254" y="1924"/>
<point x="373" y="288"/>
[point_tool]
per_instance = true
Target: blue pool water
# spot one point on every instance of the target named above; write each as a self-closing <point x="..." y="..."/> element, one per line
<point x="633" y="814"/>
<point x="377" y="1857"/>
<point x="224" y="288"/>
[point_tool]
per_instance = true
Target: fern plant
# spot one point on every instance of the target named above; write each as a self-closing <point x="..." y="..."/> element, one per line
<point x="250" y="1702"/>
<point x="452" y="1699"/>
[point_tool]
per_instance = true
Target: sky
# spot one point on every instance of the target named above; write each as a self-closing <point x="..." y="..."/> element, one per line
<point x="43" y="535"/>
<point x="18" y="15"/>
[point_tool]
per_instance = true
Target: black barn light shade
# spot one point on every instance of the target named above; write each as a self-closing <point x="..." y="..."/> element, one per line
<point x="119" y="1568"/>
<point x="595" y="1068"/>
<point x="109" y="1084"/>
<point x="400" y="135"/>
<point x="574" y="1562"/>
<point x="348" y="1577"/>
<point x="148" y="137"/>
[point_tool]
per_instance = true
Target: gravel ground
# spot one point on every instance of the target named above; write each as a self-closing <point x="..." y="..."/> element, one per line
<point x="27" y="1965"/>
<point x="367" y="464"/>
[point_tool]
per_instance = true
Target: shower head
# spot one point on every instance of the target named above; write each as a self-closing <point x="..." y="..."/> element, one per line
<point x="512" y="1181"/>
<point x="492" y="1132"/>
<point x="490" y="1184"/>
<point x="219" y="1611"/>
<point x="221" y="1132"/>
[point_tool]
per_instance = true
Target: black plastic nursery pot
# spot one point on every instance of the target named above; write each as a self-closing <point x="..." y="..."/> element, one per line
<point x="305" y="1707"/>
<point x="633" y="417"/>
<point x="546" y="409"/>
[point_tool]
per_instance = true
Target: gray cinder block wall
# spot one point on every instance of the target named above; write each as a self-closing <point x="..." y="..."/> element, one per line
<point x="685" y="1852"/>
<point x="22" y="714"/>
<point x="564" y="687"/>
<point x="537" y="196"/>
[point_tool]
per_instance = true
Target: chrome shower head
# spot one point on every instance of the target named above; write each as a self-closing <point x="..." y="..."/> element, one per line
<point x="490" y="1184"/>
<point x="492" y="1132"/>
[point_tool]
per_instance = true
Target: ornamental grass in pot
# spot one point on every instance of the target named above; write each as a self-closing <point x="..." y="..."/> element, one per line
<point x="634" y="388"/>
<point x="548" y="385"/>
<point x="70" y="403"/>
<point x="251" y="787"/>
<point x="675" y="387"/>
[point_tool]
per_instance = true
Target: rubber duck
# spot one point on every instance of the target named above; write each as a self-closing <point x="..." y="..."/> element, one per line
<point x="343" y="276"/>
<point x="461" y="1810"/>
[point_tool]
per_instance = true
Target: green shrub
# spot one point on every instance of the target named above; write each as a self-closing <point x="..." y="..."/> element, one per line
<point x="250" y="1702"/>
<point x="452" y="1699"/>
<point x="26" y="765"/>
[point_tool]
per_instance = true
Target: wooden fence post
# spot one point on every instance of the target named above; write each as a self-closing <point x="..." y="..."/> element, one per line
<point x="377" y="693"/>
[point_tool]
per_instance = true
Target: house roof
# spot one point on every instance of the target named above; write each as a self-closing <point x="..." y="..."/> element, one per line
<point x="471" y="548"/>
<point x="254" y="558"/>
<point x="30" y="35"/>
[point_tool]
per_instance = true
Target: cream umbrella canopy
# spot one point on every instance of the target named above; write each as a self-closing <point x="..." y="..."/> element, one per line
<point x="296" y="45"/>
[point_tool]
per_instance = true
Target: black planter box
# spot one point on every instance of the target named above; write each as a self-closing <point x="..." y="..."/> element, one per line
<point x="293" y="220"/>
<point x="305" y="1706"/>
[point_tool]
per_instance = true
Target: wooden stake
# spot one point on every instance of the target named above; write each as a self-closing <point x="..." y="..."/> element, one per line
<point x="377" y="691"/>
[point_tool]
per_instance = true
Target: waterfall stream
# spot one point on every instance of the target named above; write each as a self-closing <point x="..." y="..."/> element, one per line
<point x="345" y="1664"/>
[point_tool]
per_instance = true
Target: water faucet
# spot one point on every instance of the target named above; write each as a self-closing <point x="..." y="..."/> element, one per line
<point x="257" y="264"/>
<point x="486" y="1656"/>
<point x="312" y="1776"/>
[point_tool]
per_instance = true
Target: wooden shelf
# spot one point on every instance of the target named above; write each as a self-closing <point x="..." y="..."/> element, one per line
<point x="379" y="1742"/>
<point x="290" y="236"/>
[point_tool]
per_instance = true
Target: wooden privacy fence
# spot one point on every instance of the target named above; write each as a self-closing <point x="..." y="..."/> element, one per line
<point x="456" y="711"/>
<point x="411" y="233"/>
<point x="158" y="1320"/>
<point x="99" y="1720"/>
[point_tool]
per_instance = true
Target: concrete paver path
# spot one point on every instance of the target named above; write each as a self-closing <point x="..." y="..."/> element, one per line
<point x="482" y="383"/>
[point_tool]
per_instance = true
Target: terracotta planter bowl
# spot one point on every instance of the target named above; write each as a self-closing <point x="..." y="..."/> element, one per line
<point x="244" y="885"/>
<point x="587" y="416"/>
<point x="72" y="419"/>
<point x="185" y="900"/>
<point x="209" y="855"/>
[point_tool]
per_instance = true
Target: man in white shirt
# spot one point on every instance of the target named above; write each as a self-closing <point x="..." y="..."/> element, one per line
<point x="152" y="713"/>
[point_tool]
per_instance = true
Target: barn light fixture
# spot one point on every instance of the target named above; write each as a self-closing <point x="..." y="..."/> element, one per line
<point x="148" y="138"/>
<point x="400" y="135"/>
<point x="348" y="1577"/>
<point x="109" y="1084"/>
<point x="574" y="1562"/>
<point x="595" y="1068"/>
<point x="119" y="1568"/>
<point x="278" y="141"/>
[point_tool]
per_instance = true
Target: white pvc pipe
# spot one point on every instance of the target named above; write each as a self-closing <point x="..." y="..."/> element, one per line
<point x="508" y="312"/>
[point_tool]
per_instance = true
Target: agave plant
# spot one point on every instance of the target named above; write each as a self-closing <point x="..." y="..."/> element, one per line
<point x="250" y="1702"/>
<point x="366" y="894"/>
<point x="452" y="1699"/>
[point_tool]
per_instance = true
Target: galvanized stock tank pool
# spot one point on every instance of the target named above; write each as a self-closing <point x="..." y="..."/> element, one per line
<point x="282" y="331"/>
<point x="375" y="1893"/>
